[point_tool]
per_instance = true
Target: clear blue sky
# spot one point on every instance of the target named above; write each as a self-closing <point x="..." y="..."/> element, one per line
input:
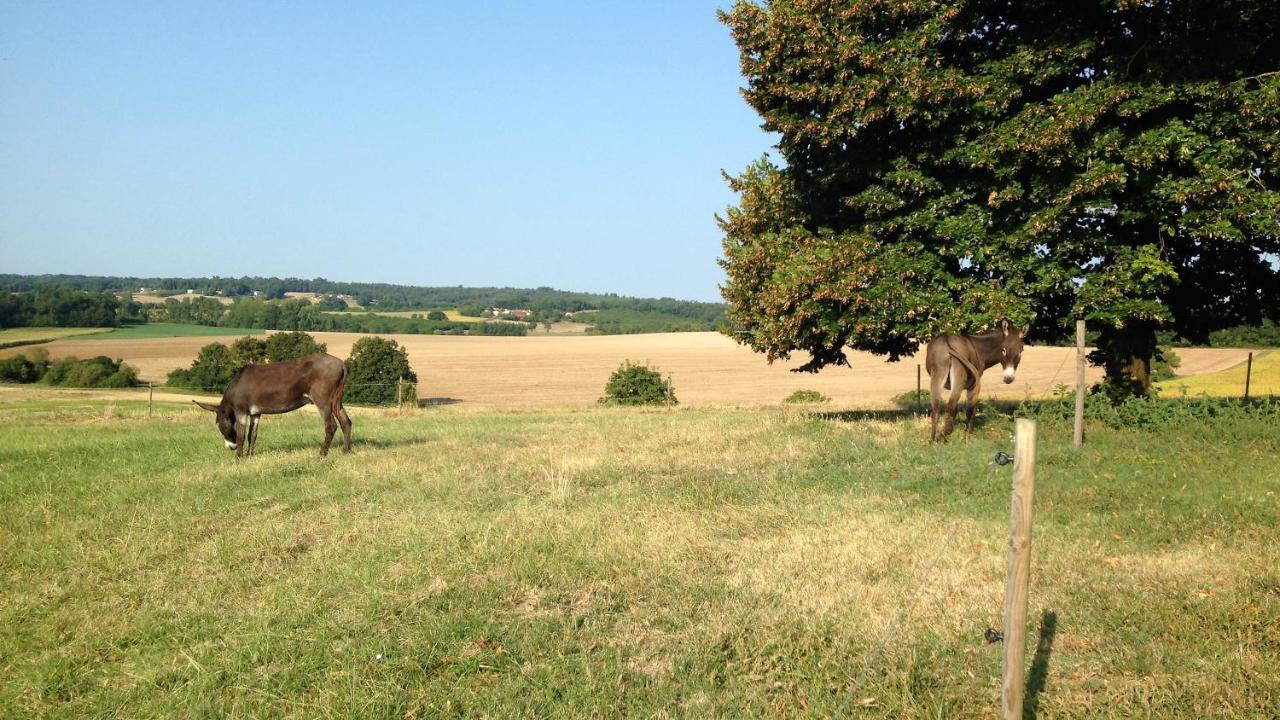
<point x="570" y="144"/>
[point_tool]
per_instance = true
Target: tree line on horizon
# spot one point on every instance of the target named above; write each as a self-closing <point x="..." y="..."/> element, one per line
<point x="375" y="296"/>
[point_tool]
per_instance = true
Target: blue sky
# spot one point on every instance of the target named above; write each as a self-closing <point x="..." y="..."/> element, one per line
<point x="574" y="145"/>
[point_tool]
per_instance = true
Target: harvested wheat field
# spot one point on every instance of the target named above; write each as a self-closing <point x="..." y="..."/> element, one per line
<point x="707" y="368"/>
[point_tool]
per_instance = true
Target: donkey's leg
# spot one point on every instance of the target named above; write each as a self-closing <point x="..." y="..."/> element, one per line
<point x="345" y="421"/>
<point x="973" y="403"/>
<point x="241" y="428"/>
<point x="330" y="422"/>
<point x="958" y="377"/>
<point x="935" y="401"/>
<point x="253" y="433"/>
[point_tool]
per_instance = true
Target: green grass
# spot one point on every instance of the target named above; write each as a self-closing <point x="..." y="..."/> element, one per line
<point x="165" y="330"/>
<point x="606" y="563"/>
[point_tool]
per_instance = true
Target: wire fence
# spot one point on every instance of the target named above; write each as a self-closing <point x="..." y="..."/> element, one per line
<point x="221" y="388"/>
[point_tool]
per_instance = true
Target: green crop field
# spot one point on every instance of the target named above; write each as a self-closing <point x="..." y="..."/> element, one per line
<point x="13" y="337"/>
<point x="1265" y="379"/>
<point x="610" y="563"/>
<point x="165" y="330"/>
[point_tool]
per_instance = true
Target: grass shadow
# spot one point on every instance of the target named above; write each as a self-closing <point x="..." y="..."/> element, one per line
<point x="357" y="444"/>
<point x="1038" y="675"/>
<point x="987" y="410"/>
<point x="428" y="402"/>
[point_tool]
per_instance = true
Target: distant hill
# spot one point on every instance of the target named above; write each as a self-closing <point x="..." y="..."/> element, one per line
<point x="621" y="314"/>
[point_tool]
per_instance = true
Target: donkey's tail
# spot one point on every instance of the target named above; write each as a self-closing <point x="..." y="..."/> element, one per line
<point x="958" y="355"/>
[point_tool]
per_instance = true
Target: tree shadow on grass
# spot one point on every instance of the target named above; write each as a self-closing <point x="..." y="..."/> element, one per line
<point x="1038" y="675"/>
<point x="988" y="410"/>
<point x="357" y="444"/>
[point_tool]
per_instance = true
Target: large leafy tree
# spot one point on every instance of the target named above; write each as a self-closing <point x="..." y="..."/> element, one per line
<point x="374" y="369"/>
<point x="948" y="163"/>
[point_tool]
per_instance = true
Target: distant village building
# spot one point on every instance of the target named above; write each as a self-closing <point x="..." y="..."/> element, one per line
<point x="509" y="313"/>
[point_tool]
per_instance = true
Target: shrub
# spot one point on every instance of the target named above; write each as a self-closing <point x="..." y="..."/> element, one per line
<point x="20" y="369"/>
<point x="437" y="316"/>
<point x="1265" y="335"/>
<point x="1171" y="415"/>
<point x="291" y="346"/>
<point x="100" y="371"/>
<point x="1165" y="364"/>
<point x="375" y="366"/>
<point x="636" y="384"/>
<point x="910" y="401"/>
<point x="802" y="397"/>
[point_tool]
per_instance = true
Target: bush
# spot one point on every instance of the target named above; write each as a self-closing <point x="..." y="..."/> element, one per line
<point x="801" y="397"/>
<point x="1165" y="364"/>
<point x="909" y="400"/>
<point x="1265" y="335"/>
<point x="375" y="366"/>
<point x="635" y="384"/>
<point x="100" y="371"/>
<point x="21" y="369"/>
<point x="291" y="346"/>
<point x="437" y="316"/>
<point x="1171" y="415"/>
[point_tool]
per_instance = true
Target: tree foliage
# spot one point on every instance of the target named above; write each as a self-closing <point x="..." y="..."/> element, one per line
<point x="374" y="368"/>
<point x="249" y="350"/>
<point x="950" y="163"/>
<point x="49" y="307"/>
<point x="283" y="346"/>
<point x="211" y="371"/>
<point x="376" y="296"/>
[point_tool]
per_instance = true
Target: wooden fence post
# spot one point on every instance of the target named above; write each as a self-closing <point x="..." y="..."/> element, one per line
<point x="1019" y="568"/>
<point x="150" y="396"/>
<point x="1078" y="434"/>
<point x="919" y="398"/>
<point x="1248" y="373"/>
<point x="400" y="393"/>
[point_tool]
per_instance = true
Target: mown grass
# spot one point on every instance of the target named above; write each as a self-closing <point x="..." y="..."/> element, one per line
<point x="15" y="337"/>
<point x="166" y="330"/>
<point x="1265" y="379"/>
<point x="606" y="563"/>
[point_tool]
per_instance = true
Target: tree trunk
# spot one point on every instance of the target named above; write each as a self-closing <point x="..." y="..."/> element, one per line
<point x="1125" y="353"/>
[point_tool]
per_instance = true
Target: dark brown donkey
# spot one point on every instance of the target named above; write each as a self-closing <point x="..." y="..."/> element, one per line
<point x="956" y="362"/>
<point x="283" y="387"/>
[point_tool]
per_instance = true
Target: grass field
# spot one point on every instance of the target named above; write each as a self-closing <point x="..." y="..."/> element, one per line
<point x="603" y="563"/>
<point x="1265" y="379"/>
<point x="173" y="330"/>
<point x="14" y="337"/>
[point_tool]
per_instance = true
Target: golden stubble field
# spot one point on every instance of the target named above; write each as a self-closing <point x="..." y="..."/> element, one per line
<point x="707" y="368"/>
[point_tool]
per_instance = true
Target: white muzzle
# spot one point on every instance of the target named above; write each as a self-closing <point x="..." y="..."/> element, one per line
<point x="1008" y="375"/>
<point x="230" y="445"/>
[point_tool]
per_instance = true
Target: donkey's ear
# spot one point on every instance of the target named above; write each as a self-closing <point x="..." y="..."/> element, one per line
<point x="1022" y="332"/>
<point x="206" y="406"/>
<point x="1004" y="325"/>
